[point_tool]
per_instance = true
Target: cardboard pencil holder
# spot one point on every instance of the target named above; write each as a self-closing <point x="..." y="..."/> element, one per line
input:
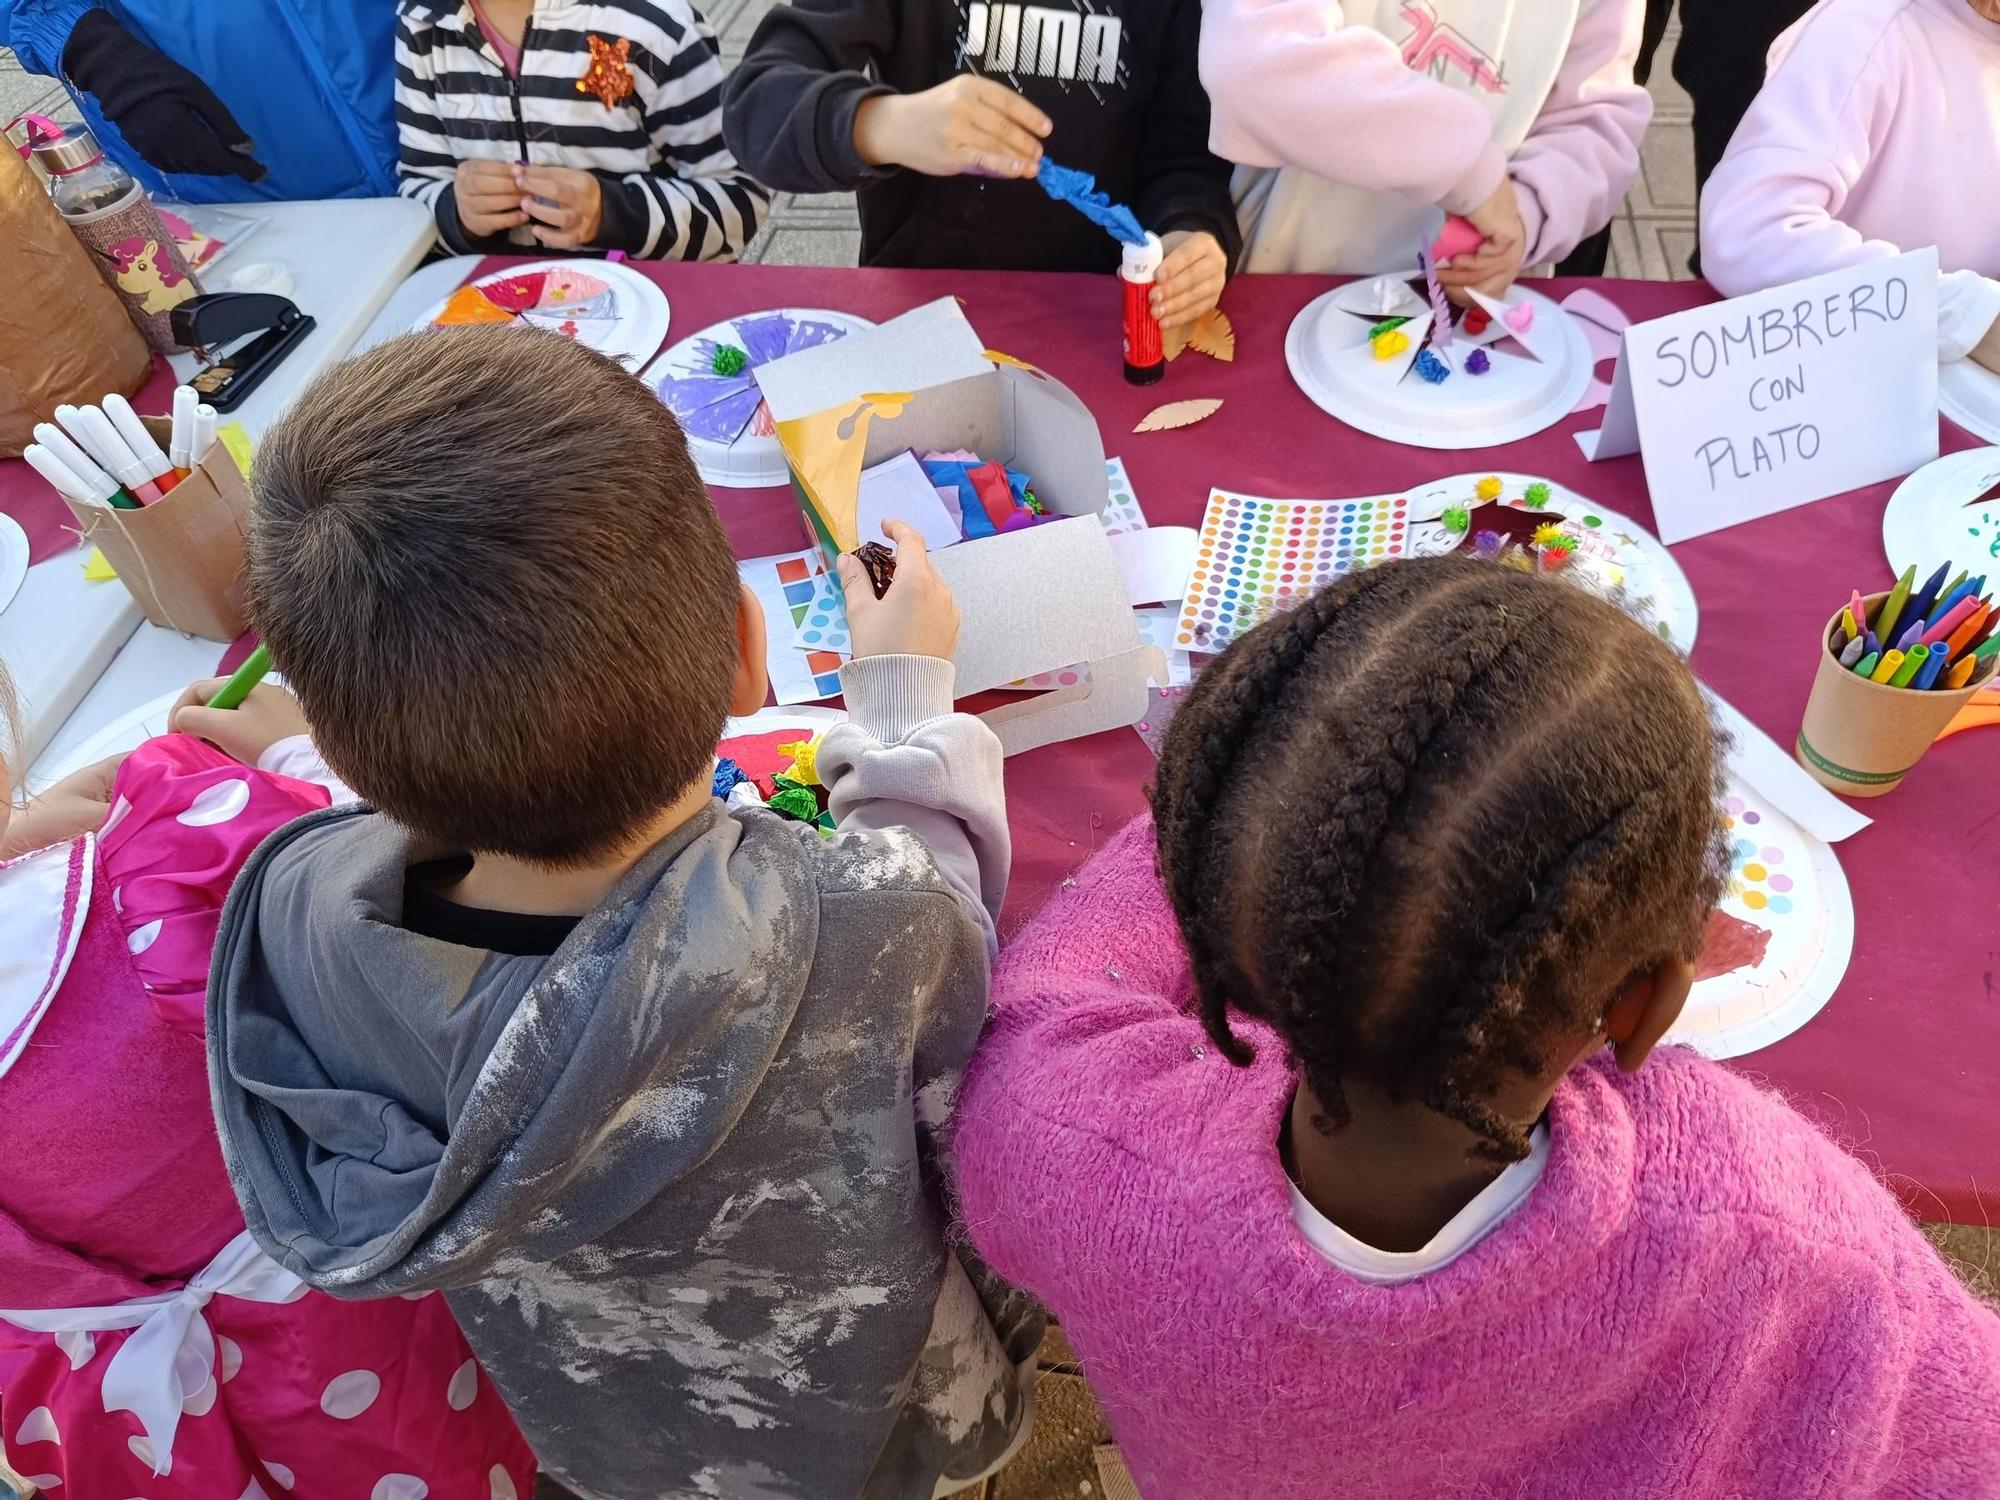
<point x="182" y="556"/>
<point x="1860" y="738"/>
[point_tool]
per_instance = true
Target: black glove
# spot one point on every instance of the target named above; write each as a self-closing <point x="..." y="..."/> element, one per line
<point x="169" y="116"/>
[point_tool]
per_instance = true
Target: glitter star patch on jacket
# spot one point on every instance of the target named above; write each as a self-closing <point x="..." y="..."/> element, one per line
<point x="609" y="75"/>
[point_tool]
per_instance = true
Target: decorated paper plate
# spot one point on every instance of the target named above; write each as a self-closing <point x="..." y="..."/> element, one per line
<point x="1779" y="942"/>
<point x="602" y="303"/>
<point x="1948" y="511"/>
<point x="13" y="559"/>
<point x="708" y="381"/>
<point x="1969" y="394"/>
<point x="1507" y="369"/>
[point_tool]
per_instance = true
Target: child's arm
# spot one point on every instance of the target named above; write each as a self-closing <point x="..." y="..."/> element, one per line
<point x="1771" y="212"/>
<point x="903" y="759"/>
<point x="1582" y="152"/>
<point x="266" y="730"/>
<point x="475" y="203"/>
<point x="1185" y="198"/>
<point x="1292" y="84"/>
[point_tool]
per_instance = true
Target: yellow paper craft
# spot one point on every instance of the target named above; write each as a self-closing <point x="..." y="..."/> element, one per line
<point x="237" y="441"/>
<point x="470" y="305"/>
<point x="96" y="569"/>
<point x="826" y="450"/>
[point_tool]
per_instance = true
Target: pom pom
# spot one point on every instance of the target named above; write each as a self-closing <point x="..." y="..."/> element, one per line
<point x="1458" y="518"/>
<point x="1537" y="495"/>
<point x="1547" y="534"/>
<point x="728" y="360"/>
<point x="1488" y="544"/>
<point x="728" y="776"/>
<point x="1476" y="320"/>
<point x="1433" y="369"/>
<point x="1389" y="345"/>
<point x="1488" y="489"/>
<point x="1518" y="560"/>
<point x="804" y="768"/>
<point x="1566" y="545"/>
<point x="1553" y="559"/>
<point x="1477" y="362"/>
<point x="795" y="802"/>
<point x="1521" y="317"/>
<point x="1387" y="325"/>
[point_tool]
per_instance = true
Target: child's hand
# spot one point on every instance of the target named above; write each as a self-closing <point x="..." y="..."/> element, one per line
<point x="967" y="125"/>
<point x="574" y="208"/>
<point x="268" y="715"/>
<point x="1190" y="279"/>
<point x="77" y="804"/>
<point x="1987" y="351"/>
<point x="488" y="199"/>
<point x="1494" y="265"/>
<point x="916" y="617"/>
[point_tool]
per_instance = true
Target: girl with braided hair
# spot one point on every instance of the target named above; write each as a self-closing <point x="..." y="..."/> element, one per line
<point x="1315" y="1110"/>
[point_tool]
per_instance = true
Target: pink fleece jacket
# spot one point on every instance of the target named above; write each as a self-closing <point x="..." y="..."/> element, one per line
<point x="1877" y="131"/>
<point x="1701" y="1298"/>
<point x="1413" y="103"/>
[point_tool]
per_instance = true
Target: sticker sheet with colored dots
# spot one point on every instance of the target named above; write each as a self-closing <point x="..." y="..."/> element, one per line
<point x="1257" y="556"/>
<point x="785" y="585"/>
<point x="1779" y="942"/>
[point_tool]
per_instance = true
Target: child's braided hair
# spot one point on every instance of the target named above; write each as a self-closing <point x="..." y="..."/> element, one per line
<point x="1426" y="823"/>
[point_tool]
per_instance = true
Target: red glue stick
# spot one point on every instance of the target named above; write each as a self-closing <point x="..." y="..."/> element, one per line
<point x="1145" y="359"/>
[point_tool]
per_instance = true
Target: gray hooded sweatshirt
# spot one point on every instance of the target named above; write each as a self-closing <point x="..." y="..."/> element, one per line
<point x="678" y="1180"/>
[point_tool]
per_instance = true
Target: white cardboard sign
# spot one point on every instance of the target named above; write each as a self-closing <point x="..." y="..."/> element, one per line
<point x="1752" y="406"/>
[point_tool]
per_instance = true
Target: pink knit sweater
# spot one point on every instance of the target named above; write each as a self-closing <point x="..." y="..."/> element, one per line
<point x="1701" y="1298"/>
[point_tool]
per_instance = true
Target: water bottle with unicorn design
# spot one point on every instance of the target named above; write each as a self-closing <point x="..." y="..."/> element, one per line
<point x="107" y="209"/>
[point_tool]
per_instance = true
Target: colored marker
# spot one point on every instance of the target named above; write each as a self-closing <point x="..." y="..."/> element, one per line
<point x="1848" y="630"/>
<point x="56" y="472"/>
<point x="204" y="430"/>
<point x="1961" y="673"/>
<point x="1886" y="667"/>
<point x="1911" y="664"/>
<point x="1866" y="666"/>
<point x="100" y="484"/>
<point x="1967" y="588"/>
<point x="1986" y="648"/>
<point x="232" y="693"/>
<point x="1851" y="652"/>
<point x="1933" y="666"/>
<point x="180" y="446"/>
<point x="125" y="422"/>
<point x="1942" y="627"/>
<point x="1924" y="598"/>
<point x="1892" y="607"/>
<point x="1965" y="634"/>
<point x="103" y="440"/>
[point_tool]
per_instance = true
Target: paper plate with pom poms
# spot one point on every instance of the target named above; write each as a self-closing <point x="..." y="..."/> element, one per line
<point x="708" y="380"/>
<point x="1389" y="356"/>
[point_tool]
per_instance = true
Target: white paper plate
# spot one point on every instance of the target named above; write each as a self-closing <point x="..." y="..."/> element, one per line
<point x="808" y="721"/>
<point x="1969" y="394"/>
<point x="1328" y="352"/>
<point x="1927" y="520"/>
<point x="13" y="559"/>
<point x="126" y="732"/>
<point x="1800" y="898"/>
<point x="752" y="461"/>
<point x="633" y="336"/>
<point x="1617" y="557"/>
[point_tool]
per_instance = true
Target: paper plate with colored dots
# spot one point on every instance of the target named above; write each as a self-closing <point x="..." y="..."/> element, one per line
<point x="1256" y="556"/>
<point x="1779" y="942"/>
<point x="1949" y="510"/>
<point x="1611" y="554"/>
<point x="1969" y="394"/>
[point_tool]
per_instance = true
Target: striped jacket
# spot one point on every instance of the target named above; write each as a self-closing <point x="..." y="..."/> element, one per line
<point x="670" y="187"/>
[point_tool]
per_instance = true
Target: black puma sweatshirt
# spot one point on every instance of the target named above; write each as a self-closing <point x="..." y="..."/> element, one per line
<point x="1117" y="78"/>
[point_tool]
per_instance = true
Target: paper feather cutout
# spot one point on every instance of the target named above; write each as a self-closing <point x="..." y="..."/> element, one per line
<point x="1210" y="334"/>
<point x="1179" y="414"/>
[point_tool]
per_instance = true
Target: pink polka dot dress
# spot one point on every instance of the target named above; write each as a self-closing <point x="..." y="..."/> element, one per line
<point x="148" y="1349"/>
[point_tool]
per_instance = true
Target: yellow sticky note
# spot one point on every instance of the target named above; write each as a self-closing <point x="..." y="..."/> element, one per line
<point x="237" y="441"/>
<point x="95" y="568"/>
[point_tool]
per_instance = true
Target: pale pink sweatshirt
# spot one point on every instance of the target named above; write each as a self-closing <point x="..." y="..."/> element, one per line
<point x="1368" y="116"/>
<point x="1701" y="1298"/>
<point x="1878" y="131"/>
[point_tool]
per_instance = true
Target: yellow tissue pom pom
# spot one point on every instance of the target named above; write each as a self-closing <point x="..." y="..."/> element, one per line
<point x="1389" y="345"/>
<point x="1488" y="488"/>
<point x="805" y="760"/>
<point x="1547" y="533"/>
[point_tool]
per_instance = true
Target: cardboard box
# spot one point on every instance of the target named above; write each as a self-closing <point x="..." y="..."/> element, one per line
<point x="1036" y="600"/>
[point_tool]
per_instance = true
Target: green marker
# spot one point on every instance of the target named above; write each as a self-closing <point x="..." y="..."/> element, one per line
<point x="1913" y="659"/>
<point x="1892" y="606"/>
<point x="1987" y="647"/>
<point x="121" y="500"/>
<point x="1866" y="666"/>
<point x="232" y="693"/>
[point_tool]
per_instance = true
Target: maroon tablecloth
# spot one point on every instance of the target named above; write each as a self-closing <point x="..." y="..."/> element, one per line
<point x="1902" y="1062"/>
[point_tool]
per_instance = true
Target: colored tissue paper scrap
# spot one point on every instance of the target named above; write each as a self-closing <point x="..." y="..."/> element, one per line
<point x="1079" y="191"/>
<point x="1256" y="556"/>
<point x="898" y="489"/>
<point x="716" y="394"/>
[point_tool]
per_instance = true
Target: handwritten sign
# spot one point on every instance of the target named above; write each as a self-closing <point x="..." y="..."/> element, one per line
<point x="1755" y="405"/>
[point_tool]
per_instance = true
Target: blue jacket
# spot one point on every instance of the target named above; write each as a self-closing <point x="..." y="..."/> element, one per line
<point x="311" y="81"/>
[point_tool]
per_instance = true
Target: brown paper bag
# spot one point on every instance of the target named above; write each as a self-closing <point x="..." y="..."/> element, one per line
<point x="64" y="335"/>
<point x="182" y="556"/>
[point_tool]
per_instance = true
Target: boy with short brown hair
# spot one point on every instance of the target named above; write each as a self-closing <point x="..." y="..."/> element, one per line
<point x="648" y="1086"/>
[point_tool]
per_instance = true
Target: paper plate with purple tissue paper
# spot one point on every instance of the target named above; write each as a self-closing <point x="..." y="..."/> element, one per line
<point x="709" y="381"/>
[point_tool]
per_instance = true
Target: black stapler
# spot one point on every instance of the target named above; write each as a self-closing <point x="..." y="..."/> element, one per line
<point x="270" y="326"/>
